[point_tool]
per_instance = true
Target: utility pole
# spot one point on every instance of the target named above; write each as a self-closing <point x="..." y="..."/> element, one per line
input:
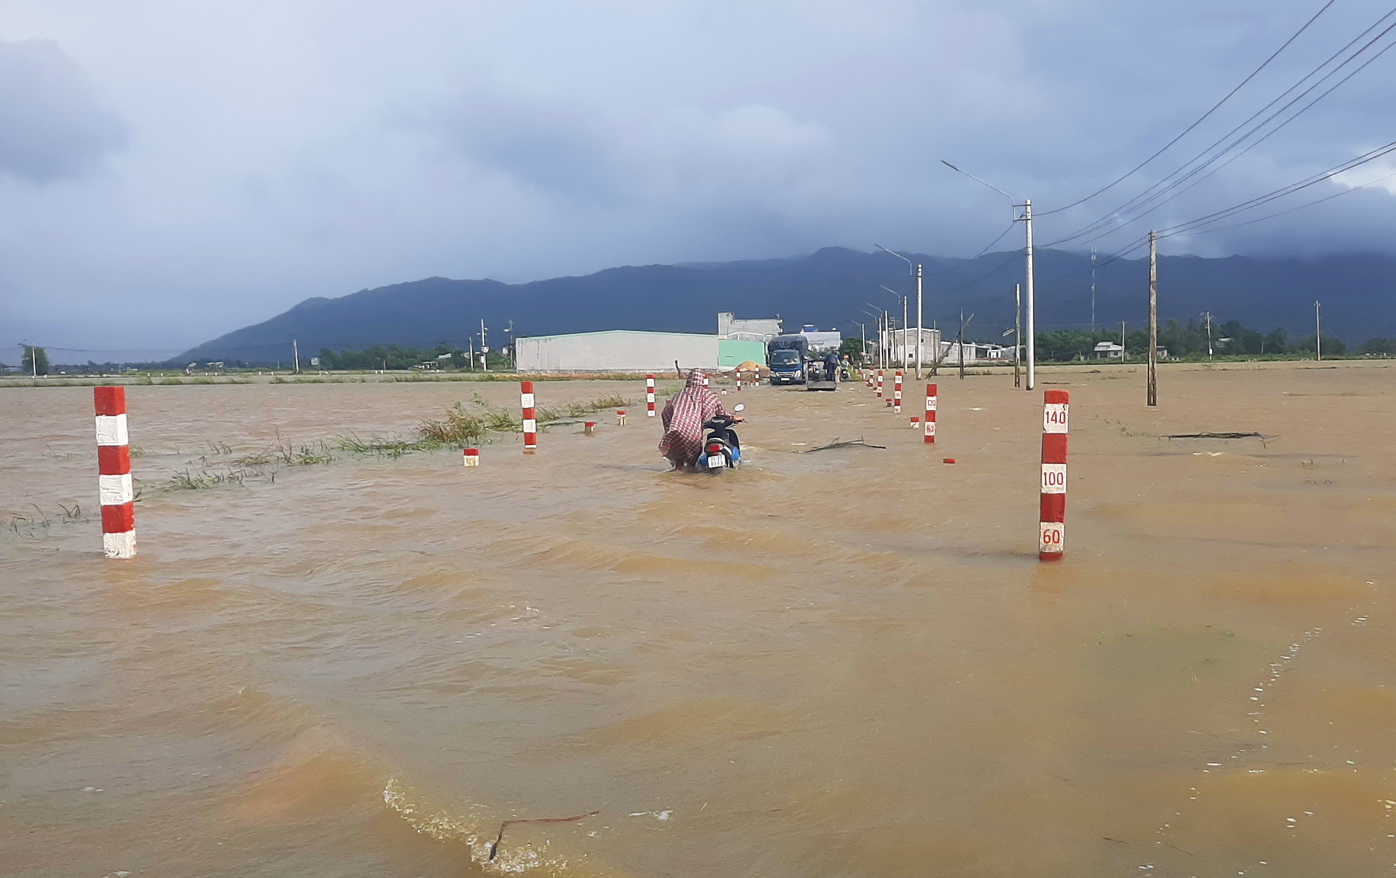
<point x="1208" y="315"/>
<point x="906" y="348"/>
<point x="960" y="343"/>
<point x="1122" y="341"/>
<point x="296" y="355"/>
<point x="1318" y="334"/>
<point x="1026" y="219"/>
<point x="484" y="347"/>
<point x="1017" y="331"/>
<point x="863" y="351"/>
<point x="920" y="321"/>
<point x="1032" y="332"/>
<point x="1153" y="318"/>
<point x="1093" y="287"/>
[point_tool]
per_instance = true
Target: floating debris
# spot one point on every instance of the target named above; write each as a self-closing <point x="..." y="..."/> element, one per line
<point x="494" y="848"/>
<point x="851" y="443"/>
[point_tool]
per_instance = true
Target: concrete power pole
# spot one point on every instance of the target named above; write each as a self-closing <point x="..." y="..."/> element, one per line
<point x="1093" y="288"/>
<point x="1208" y="315"/>
<point x="1017" y="333"/>
<point x="296" y="355"/>
<point x="920" y="328"/>
<point x="1318" y="334"/>
<point x="484" y="348"/>
<point x="1032" y="323"/>
<point x="1153" y="319"/>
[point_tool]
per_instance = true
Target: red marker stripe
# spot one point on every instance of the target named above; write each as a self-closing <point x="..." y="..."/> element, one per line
<point x="113" y="460"/>
<point x="110" y="400"/>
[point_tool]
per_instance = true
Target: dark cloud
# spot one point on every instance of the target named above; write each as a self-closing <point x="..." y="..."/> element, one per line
<point x="527" y="140"/>
<point x="53" y="124"/>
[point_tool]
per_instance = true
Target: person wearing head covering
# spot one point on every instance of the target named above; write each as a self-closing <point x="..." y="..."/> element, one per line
<point x="684" y="415"/>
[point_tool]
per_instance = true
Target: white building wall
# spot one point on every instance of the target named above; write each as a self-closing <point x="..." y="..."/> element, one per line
<point x="616" y="351"/>
<point x="747" y="329"/>
<point x="903" y="342"/>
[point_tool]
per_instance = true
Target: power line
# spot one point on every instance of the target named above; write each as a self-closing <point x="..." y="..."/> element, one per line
<point x="1371" y="156"/>
<point x="1294" y="208"/>
<point x="1133" y="209"/>
<point x="1199" y="121"/>
<point x="1256" y="143"/>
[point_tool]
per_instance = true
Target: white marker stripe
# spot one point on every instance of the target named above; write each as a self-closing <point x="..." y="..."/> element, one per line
<point x="1054" y="478"/>
<point x="1054" y="417"/>
<point x="931" y="404"/>
<point x="115" y="490"/>
<point x="530" y="426"/>
<point x="1052" y="536"/>
<point x="111" y="430"/>
<point x="930" y="428"/>
<point x="527" y="400"/>
<point x="122" y="545"/>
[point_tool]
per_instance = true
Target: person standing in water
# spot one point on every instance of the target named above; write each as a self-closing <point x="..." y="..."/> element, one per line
<point x="684" y="415"/>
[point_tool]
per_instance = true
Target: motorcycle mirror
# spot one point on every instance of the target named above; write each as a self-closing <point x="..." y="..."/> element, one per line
<point x="740" y="407"/>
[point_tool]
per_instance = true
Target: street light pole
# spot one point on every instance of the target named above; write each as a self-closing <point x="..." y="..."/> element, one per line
<point x="1026" y="219"/>
<point x="920" y="323"/>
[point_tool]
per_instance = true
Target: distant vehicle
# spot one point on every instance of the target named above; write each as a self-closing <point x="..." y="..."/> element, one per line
<point x="819" y="377"/>
<point x="786" y="355"/>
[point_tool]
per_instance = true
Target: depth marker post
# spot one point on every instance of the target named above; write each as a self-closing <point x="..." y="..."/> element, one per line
<point x="897" y="393"/>
<point x="114" y="489"/>
<point x="649" y="396"/>
<point x="530" y="416"/>
<point x="879" y="384"/>
<point x="1052" y="540"/>
<point x="930" y="421"/>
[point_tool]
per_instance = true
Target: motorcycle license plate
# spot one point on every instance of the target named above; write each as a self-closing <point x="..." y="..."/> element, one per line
<point x="716" y="460"/>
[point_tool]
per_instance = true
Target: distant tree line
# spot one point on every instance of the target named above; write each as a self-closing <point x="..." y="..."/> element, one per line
<point x="394" y="356"/>
<point x="1189" y="340"/>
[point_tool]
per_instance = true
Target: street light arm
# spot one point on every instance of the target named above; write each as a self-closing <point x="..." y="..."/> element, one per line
<point x="911" y="269"/>
<point x="1010" y="198"/>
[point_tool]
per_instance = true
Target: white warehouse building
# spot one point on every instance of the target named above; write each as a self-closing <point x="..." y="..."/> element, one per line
<point x="616" y="350"/>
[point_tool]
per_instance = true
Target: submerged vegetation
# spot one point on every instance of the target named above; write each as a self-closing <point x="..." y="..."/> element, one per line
<point x="459" y="426"/>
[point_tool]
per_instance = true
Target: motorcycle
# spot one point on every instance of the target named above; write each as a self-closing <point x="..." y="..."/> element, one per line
<point x="721" y="449"/>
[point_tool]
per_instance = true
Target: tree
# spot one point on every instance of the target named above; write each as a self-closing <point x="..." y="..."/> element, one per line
<point x="35" y="360"/>
<point x="1379" y="345"/>
<point x="853" y="349"/>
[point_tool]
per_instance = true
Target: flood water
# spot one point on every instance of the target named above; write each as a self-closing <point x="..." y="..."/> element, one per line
<point x="845" y="662"/>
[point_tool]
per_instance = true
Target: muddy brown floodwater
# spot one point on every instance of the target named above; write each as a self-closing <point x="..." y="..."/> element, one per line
<point x="843" y="663"/>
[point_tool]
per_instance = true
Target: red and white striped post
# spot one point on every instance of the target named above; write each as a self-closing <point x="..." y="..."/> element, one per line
<point x="897" y="393"/>
<point x="530" y="415"/>
<point x="930" y="421"/>
<point x="1052" y="542"/>
<point x="114" y="488"/>
<point x="649" y="396"/>
<point x="471" y="457"/>
<point x="879" y="383"/>
<point x="739" y="382"/>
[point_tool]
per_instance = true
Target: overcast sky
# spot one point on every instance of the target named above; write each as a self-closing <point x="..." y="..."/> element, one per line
<point x="170" y="171"/>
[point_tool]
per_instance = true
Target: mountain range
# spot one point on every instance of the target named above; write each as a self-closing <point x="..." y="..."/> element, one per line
<point x="837" y="288"/>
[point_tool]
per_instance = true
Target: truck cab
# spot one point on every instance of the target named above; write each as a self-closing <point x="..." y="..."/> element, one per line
<point x="787" y="366"/>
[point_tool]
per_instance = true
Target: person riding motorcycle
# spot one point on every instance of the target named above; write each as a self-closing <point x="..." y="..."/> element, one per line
<point x="684" y="416"/>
